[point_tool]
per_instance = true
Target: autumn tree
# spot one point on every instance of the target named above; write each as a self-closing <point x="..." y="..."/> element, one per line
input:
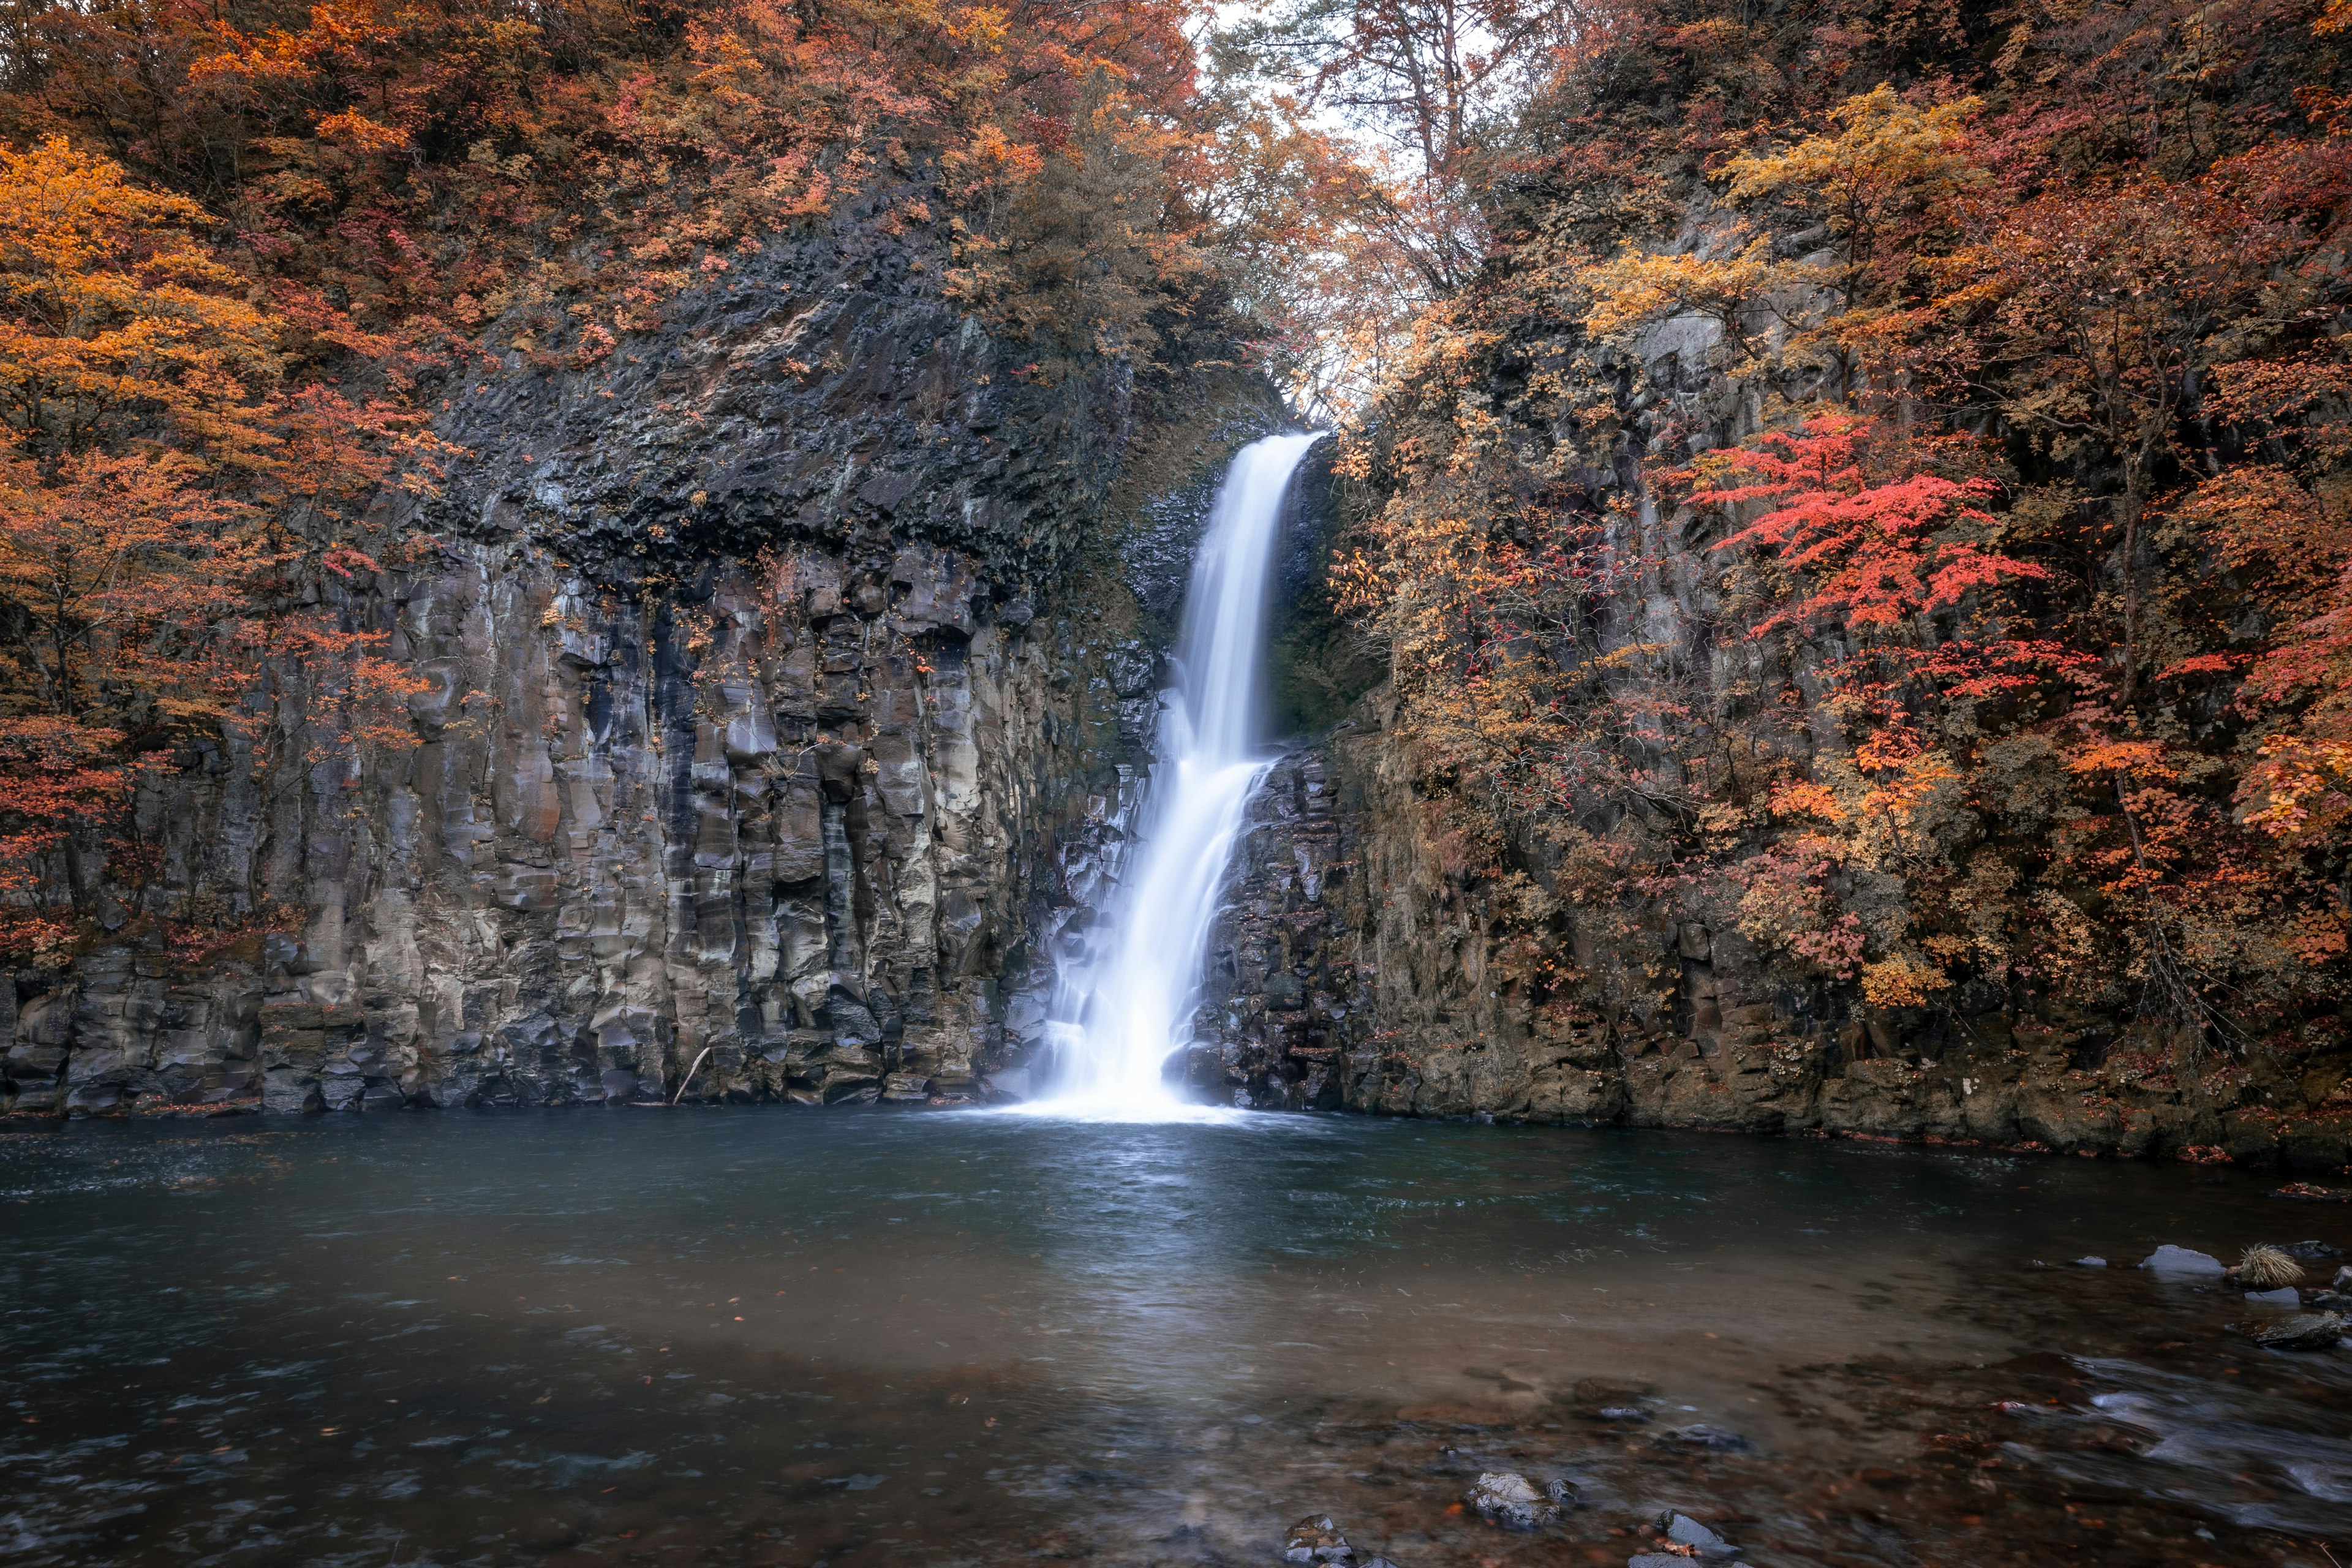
<point x="2090" y="319"/>
<point x="544" y="179"/>
<point x="164" y="488"/>
<point x="1307" y="234"/>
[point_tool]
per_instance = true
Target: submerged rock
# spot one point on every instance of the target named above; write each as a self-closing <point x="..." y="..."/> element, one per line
<point x="1510" y="1499"/>
<point x="1699" y="1435"/>
<point x="1610" y="1399"/>
<point x="2171" y="1259"/>
<point x="1316" y="1539"/>
<point x="2285" y="1296"/>
<point x="2312" y="1251"/>
<point x="1684" y="1530"/>
<point x="2304" y="1331"/>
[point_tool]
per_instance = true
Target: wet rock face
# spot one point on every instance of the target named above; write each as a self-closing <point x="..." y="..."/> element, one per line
<point x="768" y="723"/>
<point x="1280" y="1002"/>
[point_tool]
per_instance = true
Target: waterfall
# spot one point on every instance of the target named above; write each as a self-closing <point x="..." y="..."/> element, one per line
<point x="1128" y="1004"/>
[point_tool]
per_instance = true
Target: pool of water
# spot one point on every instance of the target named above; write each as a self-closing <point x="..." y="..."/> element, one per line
<point x="763" y="1336"/>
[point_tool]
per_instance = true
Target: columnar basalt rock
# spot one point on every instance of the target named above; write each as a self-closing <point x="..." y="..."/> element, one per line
<point x="782" y="695"/>
<point x="813" y="841"/>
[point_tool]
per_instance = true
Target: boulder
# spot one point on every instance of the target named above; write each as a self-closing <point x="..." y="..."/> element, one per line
<point x="2181" y="1261"/>
<point x="2304" y="1331"/>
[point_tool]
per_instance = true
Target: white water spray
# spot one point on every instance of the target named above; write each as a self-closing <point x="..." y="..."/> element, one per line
<point x="1128" y="1005"/>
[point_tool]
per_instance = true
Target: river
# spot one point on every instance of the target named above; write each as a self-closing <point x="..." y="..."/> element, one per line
<point x="769" y="1336"/>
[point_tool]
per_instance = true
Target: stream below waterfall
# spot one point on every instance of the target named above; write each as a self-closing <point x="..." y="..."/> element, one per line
<point x="763" y="1336"/>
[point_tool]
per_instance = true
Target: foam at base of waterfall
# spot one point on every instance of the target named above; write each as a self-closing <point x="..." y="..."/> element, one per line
<point x="1102" y="1108"/>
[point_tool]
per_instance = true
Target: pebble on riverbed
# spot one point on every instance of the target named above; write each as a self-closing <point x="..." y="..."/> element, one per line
<point x="1684" y="1530"/>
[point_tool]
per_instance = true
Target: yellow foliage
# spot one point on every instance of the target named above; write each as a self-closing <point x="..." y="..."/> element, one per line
<point x="1887" y="159"/>
<point x="111" y="308"/>
<point x="1744" y="294"/>
<point x="1902" y="980"/>
<point x="1889" y="168"/>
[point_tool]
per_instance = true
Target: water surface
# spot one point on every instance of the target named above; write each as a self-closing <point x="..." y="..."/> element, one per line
<point x="764" y="1336"/>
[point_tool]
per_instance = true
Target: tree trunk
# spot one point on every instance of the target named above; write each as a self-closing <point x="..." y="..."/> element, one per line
<point x="2132" y="506"/>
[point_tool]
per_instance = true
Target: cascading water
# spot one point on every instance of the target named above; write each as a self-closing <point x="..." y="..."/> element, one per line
<point x="1124" y="1007"/>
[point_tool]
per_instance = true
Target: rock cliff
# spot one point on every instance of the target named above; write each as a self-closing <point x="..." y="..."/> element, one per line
<point x="1355" y="966"/>
<point x="782" y="682"/>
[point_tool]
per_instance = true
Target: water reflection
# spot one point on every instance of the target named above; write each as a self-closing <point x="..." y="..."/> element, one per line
<point x="773" y="1337"/>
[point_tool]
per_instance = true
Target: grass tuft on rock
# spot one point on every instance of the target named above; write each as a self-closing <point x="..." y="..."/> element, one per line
<point x="2267" y="1268"/>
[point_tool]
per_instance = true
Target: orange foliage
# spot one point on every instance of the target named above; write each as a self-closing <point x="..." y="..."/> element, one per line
<point x="163" y="486"/>
<point x="556" y="172"/>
